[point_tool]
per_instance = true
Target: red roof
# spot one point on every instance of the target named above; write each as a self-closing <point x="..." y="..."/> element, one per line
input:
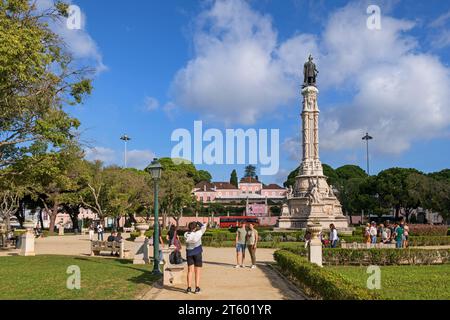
<point x="224" y="185"/>
<point x="249" y="180"/>
<point x="273" y="186"/>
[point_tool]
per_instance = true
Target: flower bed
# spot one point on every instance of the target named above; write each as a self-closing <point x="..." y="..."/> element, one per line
<point x="318" y="282"/>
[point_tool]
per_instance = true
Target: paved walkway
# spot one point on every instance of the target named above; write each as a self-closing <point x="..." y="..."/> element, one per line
<point x="220" y="281"/>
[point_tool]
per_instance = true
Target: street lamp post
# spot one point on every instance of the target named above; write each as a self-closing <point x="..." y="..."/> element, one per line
<point x="367" y="138"/>
<point x="125" y="139"/>
<point x="155" y="170"/>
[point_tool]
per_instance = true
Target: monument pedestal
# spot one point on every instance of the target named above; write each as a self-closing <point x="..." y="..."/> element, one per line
<point x="27" y="244"/>
<point x="315" y="245"/>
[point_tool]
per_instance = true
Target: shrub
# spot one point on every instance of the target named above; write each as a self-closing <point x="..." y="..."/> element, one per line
<point x="429" y="241"/>
<point x="378" y="256"/>
<point x="427" y="230"/>
<point x="318" y="282"/>
<point x="414" y="241"/>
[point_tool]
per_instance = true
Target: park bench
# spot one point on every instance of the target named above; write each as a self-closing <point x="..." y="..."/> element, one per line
<point x="173" y="273"/>
<point x="98" y="247"/>
<point x="128" y="230"/>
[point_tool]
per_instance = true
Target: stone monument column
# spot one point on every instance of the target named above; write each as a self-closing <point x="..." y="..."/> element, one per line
<point x="312" y="198"/>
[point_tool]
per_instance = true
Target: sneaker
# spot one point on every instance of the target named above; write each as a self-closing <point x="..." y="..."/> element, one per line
<point x="253" y="267"/>
<point x="197" y="290"/>
<point x="189" y="290"/>
<point x="237" y="266"/>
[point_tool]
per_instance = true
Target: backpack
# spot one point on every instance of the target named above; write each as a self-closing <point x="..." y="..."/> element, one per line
<point x="175" y="257"/>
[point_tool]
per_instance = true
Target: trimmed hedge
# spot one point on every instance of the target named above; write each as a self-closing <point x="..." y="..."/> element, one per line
<point x="367" y="257"/>
<point x="427" y="230"/>
<point x="318" y="282"/>
<point x="414" y="241"/>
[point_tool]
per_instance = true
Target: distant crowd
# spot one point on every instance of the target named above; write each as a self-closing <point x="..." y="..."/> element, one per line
<point x="387" y="233"/>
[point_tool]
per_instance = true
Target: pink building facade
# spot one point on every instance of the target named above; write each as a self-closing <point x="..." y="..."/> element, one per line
<point x="257" y="196"/>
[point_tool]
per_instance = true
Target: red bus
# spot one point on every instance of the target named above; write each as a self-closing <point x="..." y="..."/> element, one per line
<point x="233" y="221"/>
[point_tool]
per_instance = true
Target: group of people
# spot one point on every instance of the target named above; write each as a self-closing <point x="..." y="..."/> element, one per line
<point x="387" y="233"/>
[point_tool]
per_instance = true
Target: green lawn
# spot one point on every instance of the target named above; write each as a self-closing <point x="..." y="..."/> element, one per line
<point x="45" y="278"/>
<point x="405" y="282"/>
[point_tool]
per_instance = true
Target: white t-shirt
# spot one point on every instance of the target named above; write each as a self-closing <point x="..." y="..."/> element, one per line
<point x="334" y="235"/>
<point x="373" y="231"/>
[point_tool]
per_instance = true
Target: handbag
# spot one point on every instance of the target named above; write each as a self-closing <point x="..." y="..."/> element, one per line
<point x="175" y="257"/>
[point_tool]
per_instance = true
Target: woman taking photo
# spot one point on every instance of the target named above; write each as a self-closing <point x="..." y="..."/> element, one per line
<point x="194" y="250"/>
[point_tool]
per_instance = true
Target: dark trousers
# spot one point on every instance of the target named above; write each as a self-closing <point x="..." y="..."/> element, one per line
<point x="252" y="252"/>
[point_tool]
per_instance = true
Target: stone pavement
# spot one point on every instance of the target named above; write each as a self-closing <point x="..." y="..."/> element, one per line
<point x="220" y="281"/>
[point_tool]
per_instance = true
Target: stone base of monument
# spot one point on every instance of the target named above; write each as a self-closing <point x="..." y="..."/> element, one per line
<point x="141" y="249"/>
<point x="27" y="245"/>
<point x="313" y="201"/>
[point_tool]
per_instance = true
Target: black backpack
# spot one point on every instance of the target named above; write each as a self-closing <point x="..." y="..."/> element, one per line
<point x="175" y="257"/>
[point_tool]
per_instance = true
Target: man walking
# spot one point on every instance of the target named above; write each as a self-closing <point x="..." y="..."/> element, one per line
<point x="241" y="240"/>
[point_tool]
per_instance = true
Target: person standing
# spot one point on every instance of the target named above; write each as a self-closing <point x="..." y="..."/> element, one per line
<point x="333" y="236"/>
<point x="241" y="239"/>
<point x="172" y="237"/>
<point x="252" y="241"/>
<point x="367" y="239"/>
<point x="194" y="253"/>
<point x="398" y="235"/>
<point x="406" y="236"/>
<point x="373" y="233"/>
<point x="100" y="232"/>
<point x="91" y="233"/>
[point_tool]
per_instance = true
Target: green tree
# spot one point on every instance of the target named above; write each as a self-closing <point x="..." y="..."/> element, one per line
<point x="202" y="175"/>
<point x="250" y="171"/>
<point x="393" y="188"/>
<point x="37" y="81"/>
<point x="350" y="171"/>
<point x="234" y="179"/>
<point x="290" y="182"/>
<point x="175" y="193"/>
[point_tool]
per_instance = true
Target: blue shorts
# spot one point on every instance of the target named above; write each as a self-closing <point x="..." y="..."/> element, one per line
<point x="240" y="247"/>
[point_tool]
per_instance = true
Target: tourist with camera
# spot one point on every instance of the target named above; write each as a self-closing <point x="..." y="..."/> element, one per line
<point x="194" y="256"/>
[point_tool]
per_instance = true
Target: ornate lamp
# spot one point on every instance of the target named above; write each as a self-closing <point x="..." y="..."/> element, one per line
<point x="155" y="170"/>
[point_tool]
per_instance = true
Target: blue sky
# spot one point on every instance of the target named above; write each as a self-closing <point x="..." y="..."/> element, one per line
<point x="237" y="64"/>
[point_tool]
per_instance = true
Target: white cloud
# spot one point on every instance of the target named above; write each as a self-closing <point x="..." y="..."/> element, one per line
<point x="240" y="71"/>
<point x="400" y="95"/>
<point x="139" y="159"/>
<point x="108" y="156"/>
<point x="171" y="110"/>
<point x="79" y="42"/>
<point x="151" y="104"/>
<point x="441" y="20"/>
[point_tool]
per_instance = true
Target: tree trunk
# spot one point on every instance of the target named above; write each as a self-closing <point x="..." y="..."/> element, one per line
<point x="397" y="212"/>
<point x="53" y="214"/>
<point x="41" y="220"/>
